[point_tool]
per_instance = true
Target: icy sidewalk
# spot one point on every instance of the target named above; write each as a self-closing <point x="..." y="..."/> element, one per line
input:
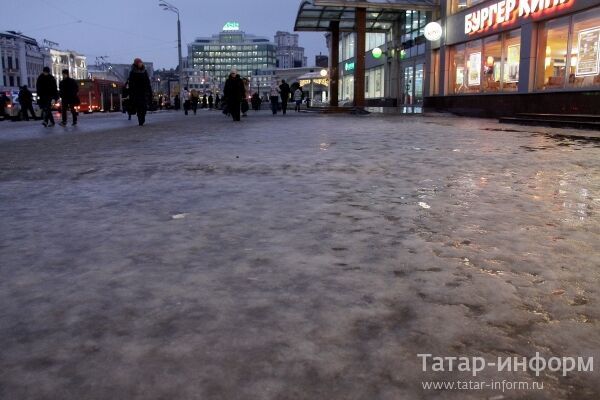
<point x="297" y="257"/>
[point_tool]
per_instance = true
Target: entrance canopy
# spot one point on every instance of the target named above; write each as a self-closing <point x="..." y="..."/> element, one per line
<point x="316" y="15"/>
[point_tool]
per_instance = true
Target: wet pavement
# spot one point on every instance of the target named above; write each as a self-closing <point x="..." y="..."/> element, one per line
<point x="298" y="257"/>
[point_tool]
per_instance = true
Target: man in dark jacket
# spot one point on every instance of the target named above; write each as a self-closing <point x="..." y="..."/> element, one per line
<point x="234" y="92"/>
<point x="68" y="89"/>
<point x="26" y="102"/>
<point x="46" y="90"/>
<point x="285" y="95"/>
<point x="140" y="90"/>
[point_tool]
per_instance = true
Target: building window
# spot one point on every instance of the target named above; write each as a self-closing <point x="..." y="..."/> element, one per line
<point x="511" y="59"/>
<point x="490" y="65"/>
<point x="552" y="56"/>
<point x="374" y="82"/>
<point x="374" y="39"/>
<point x="569" y="52"/>
<point x="459" y="5"/>
<point x="492" y="56"/>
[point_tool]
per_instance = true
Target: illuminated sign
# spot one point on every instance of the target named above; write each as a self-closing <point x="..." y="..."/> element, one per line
<point x="433" y="31"/>
<point x="349" y="66"/>
<point x="316" y="81"/>
<point x="377" y="52"/>
<point x="505" y="11"/>
<point x="231" y="26"/>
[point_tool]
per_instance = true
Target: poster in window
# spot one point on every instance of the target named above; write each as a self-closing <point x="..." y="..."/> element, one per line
<point x="474" y="69"/>
<point x="588" y="53"/>
<point x="511" y="69"/>
<point x="460" y="76"/>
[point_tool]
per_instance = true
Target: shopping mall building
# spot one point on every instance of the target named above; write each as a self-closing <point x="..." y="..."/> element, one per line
<point x="476" y="57"/>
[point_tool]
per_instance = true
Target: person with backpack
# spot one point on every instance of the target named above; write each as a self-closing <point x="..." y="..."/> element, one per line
<point x="47" y="91"/>
<point x="68" y="89"/>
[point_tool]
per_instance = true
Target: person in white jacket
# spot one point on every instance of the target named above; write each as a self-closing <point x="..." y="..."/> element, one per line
<point x="274" y="97"/>
<point x="298" y="99"/>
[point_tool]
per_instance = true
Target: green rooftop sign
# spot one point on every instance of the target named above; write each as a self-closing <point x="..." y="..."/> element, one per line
<point x="231" y="26"/>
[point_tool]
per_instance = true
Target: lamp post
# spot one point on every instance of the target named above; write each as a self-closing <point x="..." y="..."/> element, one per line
<point x="169" y="7"/>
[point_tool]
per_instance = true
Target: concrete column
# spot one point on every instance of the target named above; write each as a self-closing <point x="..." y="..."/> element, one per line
<point x="359" y="56"/>
<point x="527" y="58"/>
<point x="334" y="78"/>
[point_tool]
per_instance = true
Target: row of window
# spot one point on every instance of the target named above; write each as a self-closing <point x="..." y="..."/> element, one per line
<point x="348" y="42"/>
<point x="254" y="47"/>
<point x="568" y="57"/>
<point x="9" y="61"/>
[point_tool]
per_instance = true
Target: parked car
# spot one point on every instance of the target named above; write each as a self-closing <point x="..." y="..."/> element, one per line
<point x="13" y="108"/>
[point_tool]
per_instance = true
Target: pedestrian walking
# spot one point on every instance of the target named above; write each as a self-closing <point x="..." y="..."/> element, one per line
<point x="68" y="89"/>
<point x="194" y="100"/>
<point x="217" y="101"/>
<point x="234" y="93"/>
<point x="140" y="91"/>
<point x="160" y="102"/>
<point x="256" y="101"/>
<point x="210" y="101"/>
<point x="284" y="89"/>
<point x="4" y="100"/>
<point x="186" y="101"/>
<point x="26" y="101"/>
<point x="274" y="97"/>
<point x="176" y="102"/>
<point x="245" y="106"/>
<point x="298" y="99"/>
<point x="204" y="101"/>
<point x="47" y="91"/>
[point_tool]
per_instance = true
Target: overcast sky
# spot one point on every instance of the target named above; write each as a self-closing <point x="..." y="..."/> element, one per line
<point x="125" y="29"/>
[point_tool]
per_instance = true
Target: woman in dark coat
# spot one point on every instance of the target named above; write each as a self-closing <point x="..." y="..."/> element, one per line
<point x="234" y="93"/>
<point x="140" y="91"/>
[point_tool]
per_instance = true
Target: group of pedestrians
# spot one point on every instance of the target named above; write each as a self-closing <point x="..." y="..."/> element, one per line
<point x="283" y="91"/>
<point x="47" y="92"/>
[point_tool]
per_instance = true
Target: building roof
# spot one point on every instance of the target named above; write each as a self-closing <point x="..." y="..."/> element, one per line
<point x="316" y="15"/>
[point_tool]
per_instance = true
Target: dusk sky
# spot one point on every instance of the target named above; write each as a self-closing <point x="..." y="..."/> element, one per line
<point x="125" y="29"/>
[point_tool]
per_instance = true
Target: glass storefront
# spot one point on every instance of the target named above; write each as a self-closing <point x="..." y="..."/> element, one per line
<point x="486" y="65"/>
<point x="374" y="82"/>
<point x="569" y="52"/>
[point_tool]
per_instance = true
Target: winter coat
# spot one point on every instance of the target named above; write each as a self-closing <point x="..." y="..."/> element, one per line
<point x="274" y="90"/>
<point x="285" y="91"/>
<point x="234" y="89"/>
<point x="68" y="89"/>
<point x="140" y="91"/>
<point x="25" y="97"/>
<point x="46" y="88"/>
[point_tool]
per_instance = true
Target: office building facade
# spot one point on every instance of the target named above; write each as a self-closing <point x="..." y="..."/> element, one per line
<point x="215" y="56"/>
<point x="289" y="53"/>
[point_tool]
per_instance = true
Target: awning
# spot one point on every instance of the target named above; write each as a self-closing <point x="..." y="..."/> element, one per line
<point x="316" y="15"/>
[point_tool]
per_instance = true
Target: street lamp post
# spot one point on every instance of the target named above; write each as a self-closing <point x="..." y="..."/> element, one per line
<point x="169" y="7"/>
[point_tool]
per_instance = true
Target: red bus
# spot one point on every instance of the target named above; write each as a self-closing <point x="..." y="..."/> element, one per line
<point x="99" y="95"/>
